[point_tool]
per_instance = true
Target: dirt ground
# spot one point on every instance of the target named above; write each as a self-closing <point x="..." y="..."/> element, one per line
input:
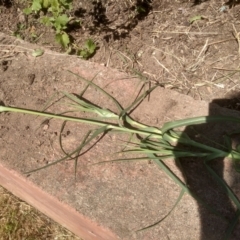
<point x="198" y="58"/>
<point x="162" y="43"/>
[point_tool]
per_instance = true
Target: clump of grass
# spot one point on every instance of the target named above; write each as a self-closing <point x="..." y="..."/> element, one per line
<point x="18" y="220"/>
<point x="156" y="144"/>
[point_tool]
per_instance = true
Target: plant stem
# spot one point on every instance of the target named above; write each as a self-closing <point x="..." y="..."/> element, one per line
<point x="82" y="120"/>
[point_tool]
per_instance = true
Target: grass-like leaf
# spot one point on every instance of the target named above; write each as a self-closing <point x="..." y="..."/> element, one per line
<point x="152" y="143"/>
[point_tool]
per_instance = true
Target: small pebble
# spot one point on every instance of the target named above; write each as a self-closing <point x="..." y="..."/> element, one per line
<point x="30" y="78"/>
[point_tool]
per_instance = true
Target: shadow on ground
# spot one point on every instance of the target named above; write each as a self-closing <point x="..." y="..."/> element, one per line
<point x="101" y="22"/>
<point x="230" y="3"/>
<point x="201" y="182"/>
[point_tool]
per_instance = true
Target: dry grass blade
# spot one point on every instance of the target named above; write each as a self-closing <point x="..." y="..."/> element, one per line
<point x="237" y="37"/>
<point x="18" y="220"/>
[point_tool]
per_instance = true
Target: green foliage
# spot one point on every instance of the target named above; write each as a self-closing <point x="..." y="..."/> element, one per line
<point x="140" y="9"/>
<point x="62" y="38"/>
<point x="56" y="7"/>
<point x="195" y="18"/>
<point x="37" y="53"/>
<point x="57" y="18"/>
<point x="18" y="33"/>
<point x="88" y="50"/>
<point x="153" y="143"/>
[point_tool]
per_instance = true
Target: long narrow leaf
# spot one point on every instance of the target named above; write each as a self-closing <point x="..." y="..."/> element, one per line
<point x="120" y="108"/>
<point x="173" y="153"/>
<point x="170" y="211"/>
<point x="223" y="184"/>
<point x="84" y="143"/>
<point x="136" y="102"/>
<point x="190" y="142"/>
<point x="198" y="120"/>
<point x="184" y="187"/>
<point x="232" y="225"/>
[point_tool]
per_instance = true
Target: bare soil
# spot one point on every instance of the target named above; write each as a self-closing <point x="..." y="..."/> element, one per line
<point x="160" y="43"/>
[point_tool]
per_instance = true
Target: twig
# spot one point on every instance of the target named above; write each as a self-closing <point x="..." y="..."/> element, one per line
<point x="221" y="41"/>
<point x="163" y="66"/>
<point x="237" y="36"/>
<point x="203" y="49"/>
<point x="197" y="33"/>
<point x="227" y="69"/>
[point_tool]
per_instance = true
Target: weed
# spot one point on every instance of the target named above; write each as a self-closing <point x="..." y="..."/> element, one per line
<point x="156" y="144"/>
<point x="37" y="52"/>
<point x="55" y="16"/>
<point x="18" y="32"/>
<point x="88" y="50"/>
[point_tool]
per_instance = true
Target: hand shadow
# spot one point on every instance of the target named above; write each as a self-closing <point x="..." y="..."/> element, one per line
<point x="201" y="182"/>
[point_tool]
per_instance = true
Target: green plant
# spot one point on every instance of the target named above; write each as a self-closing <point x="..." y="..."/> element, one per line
<point x="37" y="52"/>
<point x="56" y="18"/>
<point x="195" y="18"/>
<point x="88" y="49"/>
<point x="60" y="25"/>
<point x="156" y="144"/>
<point x="18" y="32"/>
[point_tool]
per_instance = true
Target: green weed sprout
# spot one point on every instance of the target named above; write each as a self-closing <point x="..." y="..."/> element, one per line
<point x="56" y="16"/>
<point x="156" y="144"/>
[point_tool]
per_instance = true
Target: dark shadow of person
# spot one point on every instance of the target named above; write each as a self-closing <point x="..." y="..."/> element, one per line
<point x="201" y="182"/>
